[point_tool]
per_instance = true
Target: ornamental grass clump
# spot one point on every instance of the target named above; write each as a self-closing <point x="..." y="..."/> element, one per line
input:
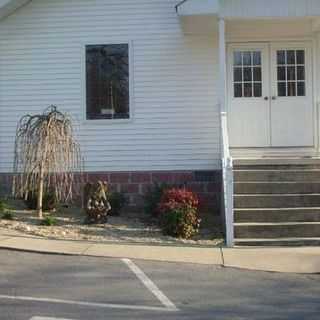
<point x="178" y="210"/>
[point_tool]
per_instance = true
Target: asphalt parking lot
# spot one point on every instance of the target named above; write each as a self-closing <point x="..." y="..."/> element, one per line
<point x="50" y="287"/>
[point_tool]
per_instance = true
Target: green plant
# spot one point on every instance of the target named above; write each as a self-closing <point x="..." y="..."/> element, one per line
<point x="3" y="206"/>
<point x="117" y="201"/>
<point x="49" y="202"/>
<point x="49" y="221"/>
<point x="7" y="215"/>
<point x="152" y="199"/>
<point x="178" y="210"/>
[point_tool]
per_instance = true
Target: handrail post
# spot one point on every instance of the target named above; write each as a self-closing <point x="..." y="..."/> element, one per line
<point x="227" y="165"/>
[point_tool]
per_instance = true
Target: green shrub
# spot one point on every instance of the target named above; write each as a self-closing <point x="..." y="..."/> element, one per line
<point x="152" y="199"/>
<point x="49" y="202"/>
<point x="178" y="210"/>
<point x="3" y="207"/>
<point x="49" y="221"/>
<point x="7" y="215"/>
<point x="117" y="201"/>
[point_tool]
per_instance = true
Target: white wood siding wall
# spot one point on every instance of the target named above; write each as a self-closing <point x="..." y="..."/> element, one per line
<point x="175" y="123"/>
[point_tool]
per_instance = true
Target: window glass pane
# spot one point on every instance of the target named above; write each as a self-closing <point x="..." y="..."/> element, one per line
<point x="301" y="89"/>
<point x="257" y="74"/>
<point x="247" y="74"/>
<point x="257" y="58"/>
<point x="107" y="81"/>
<point x="247" y="90"/>
<point x="291" y="89"/>
<point x="282" y="89"/>
<point x="291" y="57"/>
<point x="247" y="58"/>
<point x="291" y="73"/>
<point x="257" y="89"/>
<point x="237" y="74"/>
<point x="237" y="58"/>
<point x="237" y="90"/>
<point x="300" y="56"/>
<point x="281" y="57"/>
<point x="300" y="73"/>
<point x="281" y="73"/>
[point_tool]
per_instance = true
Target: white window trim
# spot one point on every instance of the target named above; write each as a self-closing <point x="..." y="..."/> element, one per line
<point x="86" y="121"/>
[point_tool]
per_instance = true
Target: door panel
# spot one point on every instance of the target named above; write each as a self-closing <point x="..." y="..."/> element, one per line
<point x="248" y="86"/>
<point x="291" y="105"/>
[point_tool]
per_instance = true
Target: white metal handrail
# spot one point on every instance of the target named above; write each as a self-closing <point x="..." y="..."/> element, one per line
<point x="227" y="181"/>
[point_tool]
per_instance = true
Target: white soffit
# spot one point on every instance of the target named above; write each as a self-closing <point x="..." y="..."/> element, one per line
<point x="198" y="7"/>
<point x="9" y="6"/>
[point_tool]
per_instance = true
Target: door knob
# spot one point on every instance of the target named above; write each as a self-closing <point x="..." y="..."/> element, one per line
<point x="266" y="98"/>
<point x="274" y="98"/>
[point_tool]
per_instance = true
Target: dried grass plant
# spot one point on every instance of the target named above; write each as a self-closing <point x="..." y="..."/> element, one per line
<point x="47" y="157"/>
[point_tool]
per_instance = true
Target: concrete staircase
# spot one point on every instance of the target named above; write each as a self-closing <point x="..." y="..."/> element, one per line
<point x="277" y="202"/>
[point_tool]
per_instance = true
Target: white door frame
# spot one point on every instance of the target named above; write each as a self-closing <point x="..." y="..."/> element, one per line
<point x="313" y="151"/>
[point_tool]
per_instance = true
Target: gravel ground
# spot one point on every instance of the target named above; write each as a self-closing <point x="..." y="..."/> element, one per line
<point x="127" y="228"/>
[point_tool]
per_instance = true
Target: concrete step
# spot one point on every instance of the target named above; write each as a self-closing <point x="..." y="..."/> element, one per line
<point x="278" y="242"/>
<point x="277" y="167"/>
<point x="277" y="215"/>
<point x="277" y="230"/>
<point x="303" y="175"/>
<point x="276" y="187"/>
<point x="277" y="162"/>
<point x="276" y="200"/>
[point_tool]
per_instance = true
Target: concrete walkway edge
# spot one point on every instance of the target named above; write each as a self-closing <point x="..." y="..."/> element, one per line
<point x="291" y="260"/>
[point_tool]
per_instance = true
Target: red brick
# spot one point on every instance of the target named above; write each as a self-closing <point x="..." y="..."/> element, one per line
<point x="141" y="177"/>
<point x="97" y="176"/>
<point x="213" y="187"/>
<point x="129" y="188"/>
<point x="120" y="177"/>
<point x="145" y="187"/>
<point x="196" y="187"/>
<point x="183" y="177"/>
<point x="162" y="177"/>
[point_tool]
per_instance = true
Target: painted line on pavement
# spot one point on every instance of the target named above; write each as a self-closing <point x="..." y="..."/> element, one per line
<point x="149" y="284"/>
<point x="47" y="318"/>
<point x="87" y="304"/>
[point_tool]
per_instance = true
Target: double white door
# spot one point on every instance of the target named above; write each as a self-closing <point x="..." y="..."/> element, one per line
<point x="270" y="100"/>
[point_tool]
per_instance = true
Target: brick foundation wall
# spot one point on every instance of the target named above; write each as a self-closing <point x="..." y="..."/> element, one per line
<point x="206" y="184"/>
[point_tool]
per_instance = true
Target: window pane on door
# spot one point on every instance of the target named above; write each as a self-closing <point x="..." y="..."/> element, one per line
<point x="281" y="57"/>
<point x="247" y="90"/>
<point x="282" y="89"/>
<point x="292" y="89"/>
<point x="247" y="74"/>
<point x="301" y="89"/>
<point x="291" y="73"/>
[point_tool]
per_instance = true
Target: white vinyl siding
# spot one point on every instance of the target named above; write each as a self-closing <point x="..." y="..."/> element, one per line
<point x="175" y="120"/>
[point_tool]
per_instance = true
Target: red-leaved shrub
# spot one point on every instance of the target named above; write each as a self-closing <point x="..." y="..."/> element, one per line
<point x="178" y="210"/>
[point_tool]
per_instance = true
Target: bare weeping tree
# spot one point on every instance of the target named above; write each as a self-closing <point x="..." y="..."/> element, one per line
<point x="47" y="157"/>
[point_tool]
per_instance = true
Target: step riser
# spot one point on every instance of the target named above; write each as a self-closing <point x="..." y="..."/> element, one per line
<point x="276" y="216"/>
<point x="275" y="188"/>
<point x="278" y="243"/>
<point x="281" y="231"/>
<point x="273" y="201"/>
<point x="277" y="176"/>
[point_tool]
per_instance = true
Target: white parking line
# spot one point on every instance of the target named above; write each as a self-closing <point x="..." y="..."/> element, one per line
<point x="87" y="304"/>
<point x="46" y="318"/>
<point x="149" y="284"/>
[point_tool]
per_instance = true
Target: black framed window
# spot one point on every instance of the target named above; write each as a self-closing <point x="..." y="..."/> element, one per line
<point x="107" y="81"/>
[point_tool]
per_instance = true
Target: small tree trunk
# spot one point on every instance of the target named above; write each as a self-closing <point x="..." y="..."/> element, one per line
<point x="40" y="192"/>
